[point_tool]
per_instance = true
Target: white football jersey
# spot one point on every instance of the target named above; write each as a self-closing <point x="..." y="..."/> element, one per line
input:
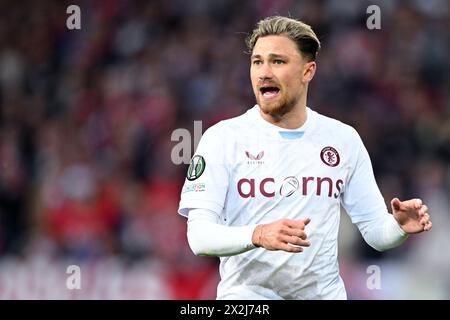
<point x="250" y="171"/>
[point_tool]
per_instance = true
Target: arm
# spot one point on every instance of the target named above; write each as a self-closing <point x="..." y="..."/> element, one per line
<point x="382" y="233"/>
<point x="390" y="231"/>
<point x="365" y="205"/>
<point x="207" y="237"/>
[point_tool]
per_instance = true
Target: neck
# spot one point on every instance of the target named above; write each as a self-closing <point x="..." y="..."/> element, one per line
<point x="293" y="119"/>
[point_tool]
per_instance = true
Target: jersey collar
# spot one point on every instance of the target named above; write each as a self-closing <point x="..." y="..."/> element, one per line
<point x="281" y="133"/>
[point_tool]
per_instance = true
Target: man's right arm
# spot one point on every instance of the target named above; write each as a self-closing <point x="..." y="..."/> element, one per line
<point x="207" y="237"/>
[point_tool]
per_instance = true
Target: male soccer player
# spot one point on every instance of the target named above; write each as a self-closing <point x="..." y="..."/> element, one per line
<point x="263" y="190"/>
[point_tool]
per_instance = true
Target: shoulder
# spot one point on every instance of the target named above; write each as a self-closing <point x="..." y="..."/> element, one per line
<point x="226" y="129"/>
<point x="336" y="128"/>
<point x="240" y="122"/>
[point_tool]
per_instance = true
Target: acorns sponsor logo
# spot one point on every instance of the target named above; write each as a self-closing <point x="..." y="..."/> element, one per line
<point x="289" y="186"/>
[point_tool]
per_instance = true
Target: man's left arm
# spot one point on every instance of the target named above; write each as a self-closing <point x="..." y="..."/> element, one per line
<point x="365" y="205"/>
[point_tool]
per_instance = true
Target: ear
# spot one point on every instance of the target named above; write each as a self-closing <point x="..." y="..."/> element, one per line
<point x="309" y="70"/>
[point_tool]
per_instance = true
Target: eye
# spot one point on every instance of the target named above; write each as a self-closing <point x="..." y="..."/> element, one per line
<point x="278" y="61"/>
<point x="257" y="62"/>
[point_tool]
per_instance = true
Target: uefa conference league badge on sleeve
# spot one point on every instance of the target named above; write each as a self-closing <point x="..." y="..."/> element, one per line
<point x="196" y="168"/>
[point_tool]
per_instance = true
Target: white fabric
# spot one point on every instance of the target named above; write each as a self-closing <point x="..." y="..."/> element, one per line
<point x="253" y="175"/>
<point x="207" y="237"/>
<point x="383" y="233"/>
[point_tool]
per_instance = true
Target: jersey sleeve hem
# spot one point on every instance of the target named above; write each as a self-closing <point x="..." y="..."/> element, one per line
<point x="186" y="205"/>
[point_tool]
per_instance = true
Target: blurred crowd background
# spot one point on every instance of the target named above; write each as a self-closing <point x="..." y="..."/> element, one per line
<point x="86" y="117"/>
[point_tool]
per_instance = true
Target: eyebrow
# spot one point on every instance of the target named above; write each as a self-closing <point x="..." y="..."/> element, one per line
<point x="271" y="55"/>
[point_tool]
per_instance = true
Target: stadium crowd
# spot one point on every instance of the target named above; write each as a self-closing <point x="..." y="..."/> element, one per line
<point x="86" y="118"/>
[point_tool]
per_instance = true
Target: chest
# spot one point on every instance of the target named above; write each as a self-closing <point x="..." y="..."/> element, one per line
<point x="276" y="169"/>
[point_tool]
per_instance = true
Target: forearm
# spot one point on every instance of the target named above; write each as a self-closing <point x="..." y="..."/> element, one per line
<point x="382" y="234"/>
<point x="207" y="237"/>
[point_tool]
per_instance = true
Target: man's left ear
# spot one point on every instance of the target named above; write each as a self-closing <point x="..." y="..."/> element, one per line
<point x="309" y="71"/>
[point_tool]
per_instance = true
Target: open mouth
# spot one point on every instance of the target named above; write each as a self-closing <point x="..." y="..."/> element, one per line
<point x="269" y="92"/>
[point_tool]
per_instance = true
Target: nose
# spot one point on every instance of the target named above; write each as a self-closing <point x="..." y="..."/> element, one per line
<point x="265" y="72"/>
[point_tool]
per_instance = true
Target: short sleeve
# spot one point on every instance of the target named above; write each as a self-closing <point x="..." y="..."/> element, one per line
<point x="207" y="177"/>
<point x="362" y="198"/>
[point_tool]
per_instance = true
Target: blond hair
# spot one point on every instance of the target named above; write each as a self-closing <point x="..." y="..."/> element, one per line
<point x="298" y="31"/>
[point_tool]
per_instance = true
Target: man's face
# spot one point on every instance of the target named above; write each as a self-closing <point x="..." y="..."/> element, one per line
<point x="277" y="73"/>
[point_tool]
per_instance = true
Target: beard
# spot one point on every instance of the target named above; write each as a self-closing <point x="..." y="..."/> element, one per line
<point x="277" y="109"/>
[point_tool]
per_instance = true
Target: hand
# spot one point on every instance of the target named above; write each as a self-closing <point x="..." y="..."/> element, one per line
<point x="285" y="234"/>
<point x="411" y="215"/>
